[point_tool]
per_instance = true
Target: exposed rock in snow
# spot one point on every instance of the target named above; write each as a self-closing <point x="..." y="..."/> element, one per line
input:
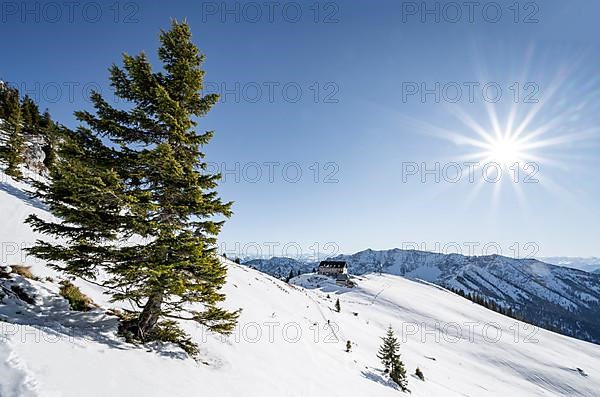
<point x="35" y="155"/>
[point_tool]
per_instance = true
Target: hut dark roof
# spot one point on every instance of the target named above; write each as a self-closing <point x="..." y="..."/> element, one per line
<point x="333" y="264"/>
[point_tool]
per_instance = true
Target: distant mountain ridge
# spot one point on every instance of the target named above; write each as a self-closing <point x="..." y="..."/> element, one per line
<point x="559" y="298"/>
<point x="591" y="264"/>
<point x="280" y="267"/>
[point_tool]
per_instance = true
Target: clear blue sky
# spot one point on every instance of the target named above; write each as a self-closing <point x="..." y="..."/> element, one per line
<point x="359" y="117"/>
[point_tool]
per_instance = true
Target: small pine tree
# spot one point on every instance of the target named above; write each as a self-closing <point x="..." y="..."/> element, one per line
<point x="14" y="150"/>
<point x="31" y="117"/>
<point x="348" y="346"/>
<point x="13" y="142"/>
<point x="419" y="374"/>
<point x="390" y="358"/>
<point x="388" y="351"/>
<point x="53" y="134"/>
<point x="290" y="276"/>
<point x="338" y="308"/>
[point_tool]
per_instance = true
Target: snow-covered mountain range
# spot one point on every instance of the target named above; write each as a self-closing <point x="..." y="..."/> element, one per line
<point x="555" y="297"/>
<point x="591" y="264"/>
<point x="281" y="267"/>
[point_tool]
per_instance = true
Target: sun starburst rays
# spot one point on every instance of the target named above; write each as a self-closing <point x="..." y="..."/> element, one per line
<point x="540" y="146"/>
<point x="522" y="142"/>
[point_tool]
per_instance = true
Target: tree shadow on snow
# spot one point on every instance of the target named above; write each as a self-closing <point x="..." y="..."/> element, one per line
<point x="376" y="376"/>
<point x="23" y="196"/>
<point x="52" y="316"/>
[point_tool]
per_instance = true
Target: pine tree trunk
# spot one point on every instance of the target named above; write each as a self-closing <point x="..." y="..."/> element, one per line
<point x="150" y="315"/>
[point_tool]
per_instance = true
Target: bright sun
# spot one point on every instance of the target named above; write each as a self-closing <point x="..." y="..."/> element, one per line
<point x="505" y="151"/>
<point x="523" y="140"/>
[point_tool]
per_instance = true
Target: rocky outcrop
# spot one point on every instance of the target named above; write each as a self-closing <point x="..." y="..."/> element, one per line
<point x="35" y="155"/>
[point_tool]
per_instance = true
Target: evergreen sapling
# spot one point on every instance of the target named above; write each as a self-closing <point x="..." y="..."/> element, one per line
<point x="390" y="358"/>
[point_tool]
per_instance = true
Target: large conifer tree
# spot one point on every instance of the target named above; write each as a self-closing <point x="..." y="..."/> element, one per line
<point x="135" y="202"/>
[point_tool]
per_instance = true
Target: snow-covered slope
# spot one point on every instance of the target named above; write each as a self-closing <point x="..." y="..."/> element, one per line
<point x="289" y="342"/>
<point x="552" y="296"/>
